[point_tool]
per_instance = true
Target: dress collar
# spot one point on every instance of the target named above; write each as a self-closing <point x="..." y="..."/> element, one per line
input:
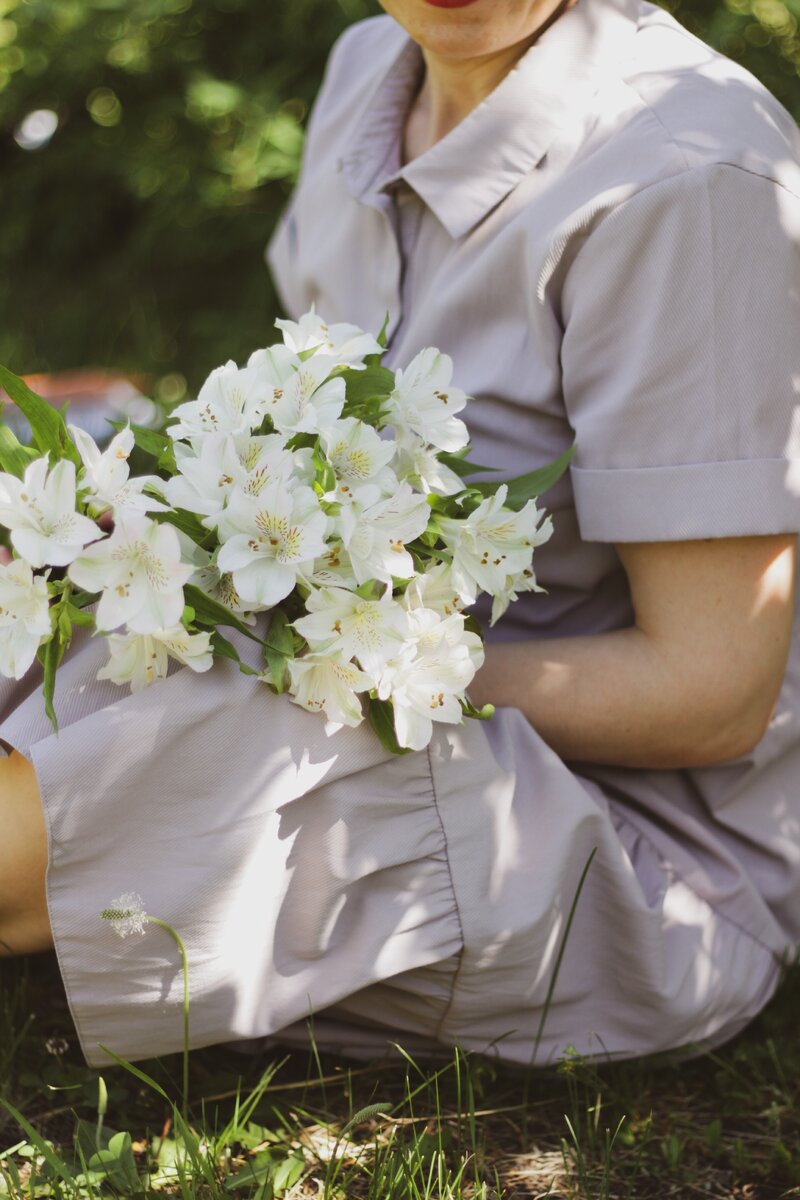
<point x="462" y="177"/>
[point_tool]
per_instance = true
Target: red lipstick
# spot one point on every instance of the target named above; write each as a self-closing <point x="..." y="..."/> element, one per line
<point x="450" y="3"/>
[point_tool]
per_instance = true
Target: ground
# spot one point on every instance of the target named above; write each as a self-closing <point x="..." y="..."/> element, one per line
<point x="726" y="1125"/>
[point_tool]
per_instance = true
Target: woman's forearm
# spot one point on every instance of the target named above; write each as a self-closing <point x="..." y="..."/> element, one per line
<point x="692" y="682"/>
<point x="613" y="698"/>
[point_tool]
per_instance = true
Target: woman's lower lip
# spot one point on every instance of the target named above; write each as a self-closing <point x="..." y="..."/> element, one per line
<point x="450" y="3"/>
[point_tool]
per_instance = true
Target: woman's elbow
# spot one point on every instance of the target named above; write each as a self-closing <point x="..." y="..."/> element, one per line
<point x="725" y="732"/>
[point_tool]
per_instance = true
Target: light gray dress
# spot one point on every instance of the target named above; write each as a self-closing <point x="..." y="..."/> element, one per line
<point x="609" y="248"/>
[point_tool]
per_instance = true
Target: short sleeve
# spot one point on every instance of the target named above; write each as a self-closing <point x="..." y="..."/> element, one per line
<point x="681" y="361"/>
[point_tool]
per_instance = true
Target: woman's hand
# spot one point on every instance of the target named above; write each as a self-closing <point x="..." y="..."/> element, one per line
<point x="693" y="682"/>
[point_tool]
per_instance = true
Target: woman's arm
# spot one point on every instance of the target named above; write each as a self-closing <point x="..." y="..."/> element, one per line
<point x="693" y="682"/>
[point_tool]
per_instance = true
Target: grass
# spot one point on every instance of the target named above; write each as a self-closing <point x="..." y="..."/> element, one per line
<point x="726" y="1125"/>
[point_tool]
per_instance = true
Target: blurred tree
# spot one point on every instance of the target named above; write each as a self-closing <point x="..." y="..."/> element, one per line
<point x="134" y="235"/>
<point x="148" y="146"/>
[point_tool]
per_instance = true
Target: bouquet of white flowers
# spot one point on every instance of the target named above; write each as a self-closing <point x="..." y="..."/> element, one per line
<point x="314" y="485"/>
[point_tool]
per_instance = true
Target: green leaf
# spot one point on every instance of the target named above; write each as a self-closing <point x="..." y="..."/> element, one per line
<point x="288" y="1172"/>
<point x="138" y="1073"/>
<point x="369" y="384"/>
<point x="159" y="445"/>
<point x="260" y="1169"/>
<point x="64" y="623"/>
<point x="188" y="523"/>
<point x="380" y="714"/>
<point x="86" y="1138"/>
<point x="58" y="1165"/>
<point x="461" y="465"/>
<point x="48" y="427"/>
<point x="325" y="480"/>
<point x="526" y="487"/>
<point x="49" y="656"/>
<point x="279" y="649"/>
<point x="14" y="457"/>
<point x="79" y="616"/>
<point x="117" y="1164"/>
<point x="223" y="648"/>
<point x="369" y="590"/>
<point x="301" y="441"/>
<point x="212" y="612"/>
<point x="373" y="360"/>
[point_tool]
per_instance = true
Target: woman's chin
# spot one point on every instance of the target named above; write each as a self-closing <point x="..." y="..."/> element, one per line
<point x="454" y="30"/>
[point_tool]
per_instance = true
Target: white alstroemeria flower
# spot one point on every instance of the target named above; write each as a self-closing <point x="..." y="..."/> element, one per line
<point x="269" y="539"/>
<point x="434" y="589"/>
<point x="212" y="581"/>
<point x="374" y="532"/>
<point x="346" y="344"/>
<point x="206" y="479"/>
<point x="106" y="474"/>
<point x="433" y="671"/>
<point x="127" y="914"/>
<point x="525" y="581"/>
<point x="492" y="543"/>
<point x="342" y="622"/>
<point x="140" y="573"/>
<point x="326" y="682"/>
<point x="299" y="396"/>
<point x="331" y="569"/>
<point x="39" y="511"/>
<point x="420" y="465"/>
<point x="24" y="617"/>
<point x="358" y="456"/>
<point x="425" y="402"/>
<point x="232" y="400"/>
<point x="141" y="658"/>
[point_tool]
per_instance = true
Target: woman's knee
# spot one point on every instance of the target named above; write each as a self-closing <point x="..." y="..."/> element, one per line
<point x="24" y="923"/>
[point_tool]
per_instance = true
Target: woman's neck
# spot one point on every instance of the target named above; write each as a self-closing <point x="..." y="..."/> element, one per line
<point x="452" y="87"/>
<point x="450" y="90"/>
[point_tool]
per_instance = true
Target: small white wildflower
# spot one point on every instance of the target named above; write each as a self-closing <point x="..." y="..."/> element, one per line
<point x="425" y="402"/>
<point x="327" y="683"/>
<point x="434" y="589"/>
<point x="24" y="617"/>
<point x="139" y="570"/>
<point x="300" y="396"/>
<point x="127" y="914"/>
<point x="39" y="511"/>
<point x="268" y="539"/>
<point x="340" y="621"/>
<point x="430" y="675"/>
<point x="358" y="456"/>
<point x="221" y="462"/>
<point x="106" y="473"/>
<point x="142" y="658"/>
<point x="493" y="543"/>
<point x="230" y="401"/>
<point x="525" y="581"/>
<point x="375" y="531"/>
<point x="419" y="464"/>
<point x="345" y="343"/>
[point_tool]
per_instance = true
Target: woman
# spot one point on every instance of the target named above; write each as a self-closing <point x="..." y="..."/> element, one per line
<point x="599" y="218"/>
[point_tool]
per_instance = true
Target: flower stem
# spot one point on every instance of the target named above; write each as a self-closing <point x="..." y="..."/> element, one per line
<point x="185" y="964"/>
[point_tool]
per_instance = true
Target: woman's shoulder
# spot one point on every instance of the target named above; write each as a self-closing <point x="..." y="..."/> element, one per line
<point x="359" y="56"/>
<point x="702" y="108"/>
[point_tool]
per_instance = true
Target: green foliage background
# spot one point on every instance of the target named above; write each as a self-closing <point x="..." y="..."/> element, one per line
<point x="134" y="239"/>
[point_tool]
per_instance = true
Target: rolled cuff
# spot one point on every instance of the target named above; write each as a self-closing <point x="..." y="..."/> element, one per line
<point x="694" y="500"/>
